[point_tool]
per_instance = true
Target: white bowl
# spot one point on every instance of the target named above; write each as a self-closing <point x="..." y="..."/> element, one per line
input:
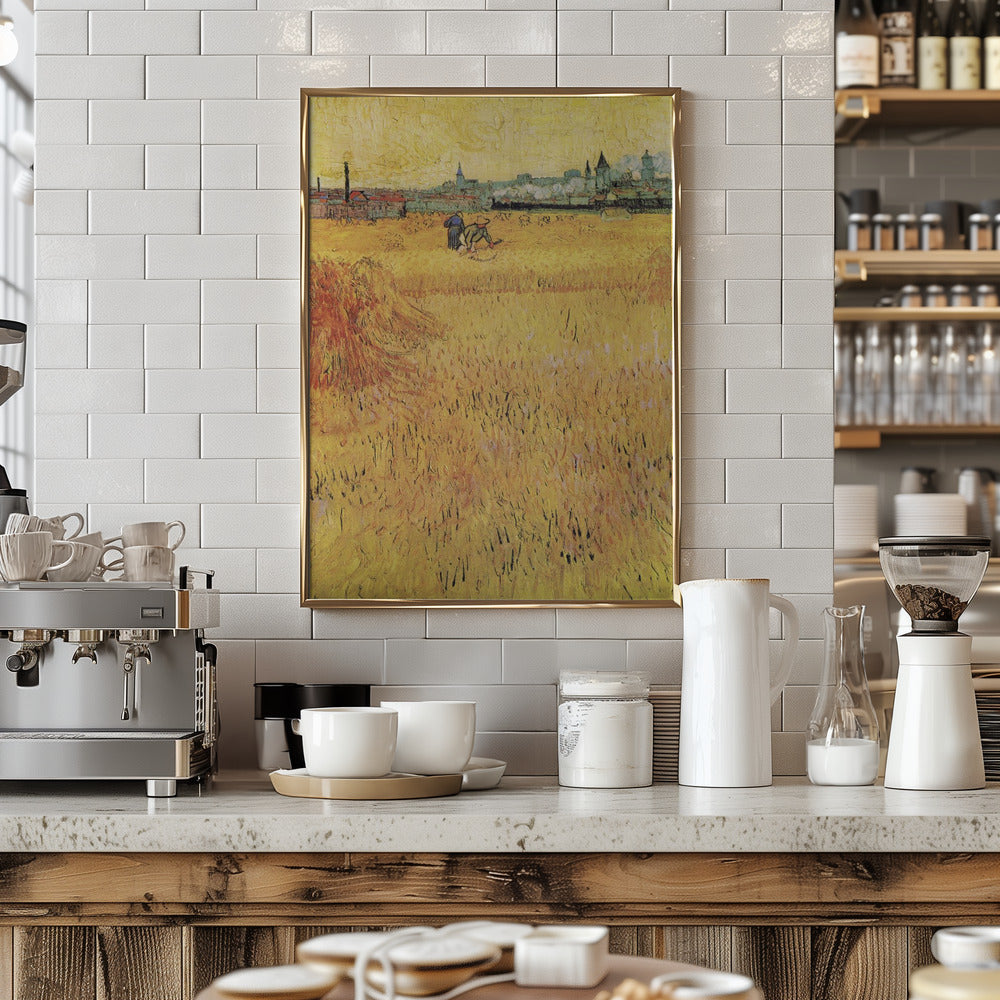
<point x="503" y="933"/>
<point x="967" y="947"/>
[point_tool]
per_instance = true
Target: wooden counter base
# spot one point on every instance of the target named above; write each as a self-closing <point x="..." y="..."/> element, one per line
<point x="162" y="926"/>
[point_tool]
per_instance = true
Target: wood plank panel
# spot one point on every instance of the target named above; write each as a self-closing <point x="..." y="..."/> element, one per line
<point x="708" y="946"/>
<point x="643" y="940"/>
<point x="141" y="961"/>
<point x="7" y="963"/>
<point x="533" y="883"/>
<point x="776" y="958"/>
<point x="864" y="963"/>
<point x="214" y="951"/>
<point x="919" y="947"/>
<point x="54" y="963"/>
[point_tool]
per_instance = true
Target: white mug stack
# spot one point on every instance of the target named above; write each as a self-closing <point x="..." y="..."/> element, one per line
<point x="35" y="548"/>
<point x="147" y="550"/>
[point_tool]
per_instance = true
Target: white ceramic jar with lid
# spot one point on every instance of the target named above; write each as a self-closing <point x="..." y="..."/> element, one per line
<point x="605" y="729"/>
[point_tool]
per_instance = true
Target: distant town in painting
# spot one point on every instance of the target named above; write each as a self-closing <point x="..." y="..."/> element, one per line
<point x="488" y="348"/>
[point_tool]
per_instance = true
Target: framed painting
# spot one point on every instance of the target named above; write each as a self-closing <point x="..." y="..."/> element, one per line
<point x="490" y="347"/>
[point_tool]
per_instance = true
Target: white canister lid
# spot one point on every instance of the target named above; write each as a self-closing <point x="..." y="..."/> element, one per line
<point x="603" y="684"/>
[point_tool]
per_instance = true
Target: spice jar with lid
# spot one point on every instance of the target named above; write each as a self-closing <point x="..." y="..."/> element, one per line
<point x="907" y="232"/>
<point x="931" y="231"/>
<point x="605" y="729"/>
<point x="883" y="232"/>
<point x="859" y="231"/>
<point x="980" y="231"/>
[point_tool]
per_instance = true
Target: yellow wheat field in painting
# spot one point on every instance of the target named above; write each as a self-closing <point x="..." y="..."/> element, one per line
<point x="491" y="427"/>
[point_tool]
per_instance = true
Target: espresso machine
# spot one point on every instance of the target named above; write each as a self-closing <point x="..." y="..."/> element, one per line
<point x="109" y="681"/>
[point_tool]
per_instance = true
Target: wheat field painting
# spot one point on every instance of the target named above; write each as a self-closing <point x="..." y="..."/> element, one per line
<point x="489" y="348"/>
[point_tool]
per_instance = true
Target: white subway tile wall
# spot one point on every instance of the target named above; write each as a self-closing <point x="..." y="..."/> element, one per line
<point x="167" y="344"/>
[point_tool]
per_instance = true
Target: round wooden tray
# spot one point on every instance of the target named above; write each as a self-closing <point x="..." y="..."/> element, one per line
<point x="299" y="784"/>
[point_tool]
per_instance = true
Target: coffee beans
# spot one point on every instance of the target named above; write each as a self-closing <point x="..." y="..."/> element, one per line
<point x="929" y="603"/>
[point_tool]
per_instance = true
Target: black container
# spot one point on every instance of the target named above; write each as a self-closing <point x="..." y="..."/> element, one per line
<point x="275" y="705"/>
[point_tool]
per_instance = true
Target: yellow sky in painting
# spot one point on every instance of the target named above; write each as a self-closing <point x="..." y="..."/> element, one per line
<point x="418" y="140"/>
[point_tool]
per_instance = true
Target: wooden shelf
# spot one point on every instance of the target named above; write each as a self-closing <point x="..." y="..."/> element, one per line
<point x="871" y="437"/>
<point x="857" y="107"/>
<point x="897" y="314"/>
<point x="860" y="265"/>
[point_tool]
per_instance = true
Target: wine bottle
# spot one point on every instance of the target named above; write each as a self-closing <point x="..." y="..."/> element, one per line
<point x="991" y="46"/>
<point x="964" y="45"/>
<point x="898" y="29"/>
<point x="857" y="47"/>
<point x="932" y="49"/>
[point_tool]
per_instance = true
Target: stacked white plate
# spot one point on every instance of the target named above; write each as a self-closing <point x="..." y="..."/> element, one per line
<point x="855" y="520"/>
<point x="666" y="704"/>
<point x="930" y="514"/>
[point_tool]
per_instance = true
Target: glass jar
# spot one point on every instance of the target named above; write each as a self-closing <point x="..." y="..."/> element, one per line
<point x="907" y="232"/>
<point x="931" y="231"/>
<point x="842" y="736"/>
<point x="605" y="729"/>
<point x="859" y="231"/>
<point x="883" y="236"/>
<point x="980" y="231"/>
<point x="911" y="297"/>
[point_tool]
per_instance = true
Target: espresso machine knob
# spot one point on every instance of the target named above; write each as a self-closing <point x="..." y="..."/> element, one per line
<point x="23" y="659"/>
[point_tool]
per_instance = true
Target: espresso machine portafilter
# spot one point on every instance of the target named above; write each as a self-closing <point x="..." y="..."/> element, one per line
<point x="110" y="680"/>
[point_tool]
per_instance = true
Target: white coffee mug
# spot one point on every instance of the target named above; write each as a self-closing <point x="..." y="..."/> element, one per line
<point x="150" y="533"/>
<point x="112" y="560"/>
<point x="347" y="742"/>
<point x="434" y="737"/>
<point x="18" y="524"/>
<point x="57" y="525"/>
<point x="81" y="565"/>
<point x="27" y="555"/>
<point x="148" y="562"/>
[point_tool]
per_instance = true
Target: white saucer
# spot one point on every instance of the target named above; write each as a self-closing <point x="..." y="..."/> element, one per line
<point x="482" y="772"/>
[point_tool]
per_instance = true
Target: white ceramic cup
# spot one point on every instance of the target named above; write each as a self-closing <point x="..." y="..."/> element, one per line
<point x="150" y="533"/>
<point x="27" y="555"/>
<point x="147" y="562"/>
<point x="81" y="565"/>
<point x="19" y="523"/>
<point x="112" y="560"/>
<point x="347" y="742"/>
<point x="435" y="737"/>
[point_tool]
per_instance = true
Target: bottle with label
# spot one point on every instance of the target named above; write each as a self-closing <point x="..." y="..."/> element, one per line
<point x="964" y="45"/>
<point x="932" y="49"/>
<point x="991" y="45"/>
<point x="898" y="28"/>
<point x="857" y="46"/>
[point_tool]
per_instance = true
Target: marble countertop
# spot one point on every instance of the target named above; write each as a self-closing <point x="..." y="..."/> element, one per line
<point x="244" y="814"/>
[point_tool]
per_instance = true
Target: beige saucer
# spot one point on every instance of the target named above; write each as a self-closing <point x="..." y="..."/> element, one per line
<point x="283" y="982"/>
<point x="422" y="966"/>
<point x="299" y="783"/>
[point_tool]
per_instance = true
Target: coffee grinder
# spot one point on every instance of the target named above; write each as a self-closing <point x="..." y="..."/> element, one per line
<point x="934" y="740"/>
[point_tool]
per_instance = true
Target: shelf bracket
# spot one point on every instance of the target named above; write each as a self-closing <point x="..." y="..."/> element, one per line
<point x="851" y="269"/>
<point x="852" y="104"/>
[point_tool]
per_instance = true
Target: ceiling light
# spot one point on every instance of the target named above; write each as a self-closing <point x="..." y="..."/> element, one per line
<point x="8" y="40"/>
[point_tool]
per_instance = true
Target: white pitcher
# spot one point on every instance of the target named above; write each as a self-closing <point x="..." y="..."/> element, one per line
<point x="726" y="688"/>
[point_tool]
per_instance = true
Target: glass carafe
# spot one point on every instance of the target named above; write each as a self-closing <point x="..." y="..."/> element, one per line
<point x="842" y="738"/>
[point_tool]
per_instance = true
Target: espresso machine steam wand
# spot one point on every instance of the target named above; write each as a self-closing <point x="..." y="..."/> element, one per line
<point x="136" y="642"/>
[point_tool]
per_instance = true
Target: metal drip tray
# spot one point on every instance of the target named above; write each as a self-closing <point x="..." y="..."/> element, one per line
<point x="30" y="754"/>
<point x="93" y="734"/>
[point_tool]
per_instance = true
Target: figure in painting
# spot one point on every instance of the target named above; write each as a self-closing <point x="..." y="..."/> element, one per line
<point x="476" y="232"/>
<point x="455" y="225"/>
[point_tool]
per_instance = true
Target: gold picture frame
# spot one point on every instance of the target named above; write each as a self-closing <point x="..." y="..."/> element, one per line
<point x="490" y="347"/>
